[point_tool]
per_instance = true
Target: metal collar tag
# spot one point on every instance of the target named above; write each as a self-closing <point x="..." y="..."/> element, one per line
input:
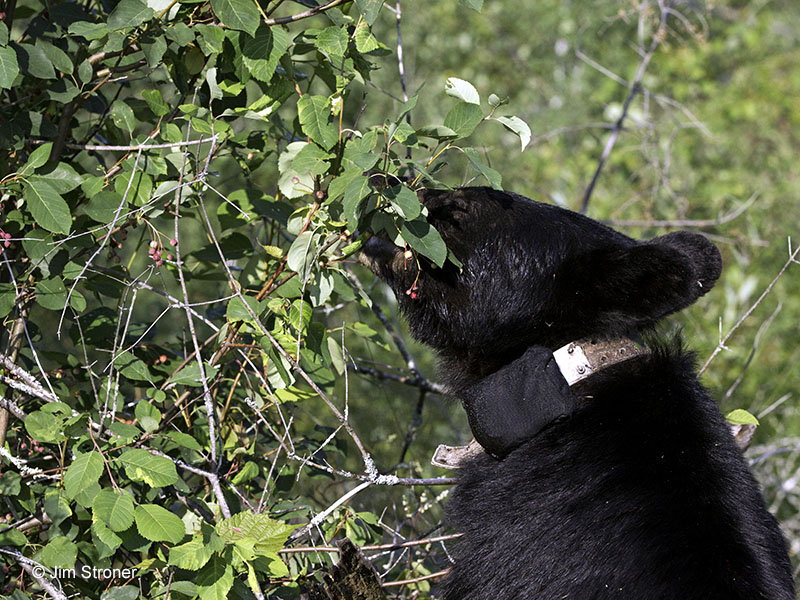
<point x="578" y="360"/>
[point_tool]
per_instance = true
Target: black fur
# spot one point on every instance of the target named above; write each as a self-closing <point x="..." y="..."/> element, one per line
<point x="641" y="493"/>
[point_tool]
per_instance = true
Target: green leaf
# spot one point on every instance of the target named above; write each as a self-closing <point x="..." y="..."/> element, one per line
<point x="405" y="201"/>
<point x="493" y="177"/>
<point x="123" y="116"/>
<point x="339" y="184"/>
<point x="154" y="47"/>
<point x="38" y="157"/>
<point x="356" y="191"/>
<point x="195" y="553"/>
<point x="56" y="55"/>
<point x="241" y="15"/>
<point x="246" y="473"/>
<point x="47" y="207"/>
<point x="237" y="311"/>
<point x="423" y="238"/>
<point x="439" y="132"/>
<point x="132" y="367"/>
<point x="62" y="177"/>
<point x="60" y="553"/>
<point x="190" y="374"/>
<point x="184" y="440"/>
<point x="215" y="579"/>
<point x="741" y="417"/>
<point x="105" y="540"/>
<point x="51" y="293"/>
<point x="148" y="415"/>
<point x="123" y="592"/>
<point x="129" y="13"/>
<point x="155" y="471"/>
<point x="157" y="524"/>
<point x="267" y="534"/>
<point x="56" y="505"/>
<point x="315" y="119"/>
<point x="337" y="356"/>
<point x="210" y="39"/>
<point x="201" y="126"/>
<point x="156" y="102"/>
<point x="301" y="253"/>
<point x="293" y="183"/>
<point x="369" y="9"/>
<point x="12" y="537"/>
<point x="463" y="118"/>
<point x="84" y="471"/>
<point x="113" y="508"/>
<point x="103" y="206"/>
<point x="463" y="90"/>
<point x="9" y="68"/>
<point x="312" y="159"/>
<point x="90" y="31"/>
<point x="333" y="40"/>
<point x="475" y="5"/>
<point x="365" y="41"/>
<point x="10" y="484"/>
<point x="34" y="61"/>
<point x="519" y="127"/>
<point x="44" y="427"/>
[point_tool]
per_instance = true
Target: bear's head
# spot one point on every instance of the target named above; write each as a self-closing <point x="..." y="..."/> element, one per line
<point x="534" y="274"/>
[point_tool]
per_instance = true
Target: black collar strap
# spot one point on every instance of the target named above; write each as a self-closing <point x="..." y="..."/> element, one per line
<point x="515" y="403"/>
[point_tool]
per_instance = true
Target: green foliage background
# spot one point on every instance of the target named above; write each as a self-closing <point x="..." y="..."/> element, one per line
<point x="200" y="382"/>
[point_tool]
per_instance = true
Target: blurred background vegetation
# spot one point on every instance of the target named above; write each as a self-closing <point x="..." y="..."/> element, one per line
<point x="710" y="143"/>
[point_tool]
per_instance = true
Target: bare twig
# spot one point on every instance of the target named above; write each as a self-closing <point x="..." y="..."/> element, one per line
<point x="726" y="218"/>
<point x="723" y="340"/>
<point x="436" y="575"/>
<point x="421" y="383"/>
<point x="304" y="15"/>
<point x="102" y="245"/>
<point x="319" y="518"/>
<point x="409" y="544"/>
<point x="11" y="406"/>
<point x="635" y="88"/>
<point x="137" y="148"/>
<point x="207" y="399"/>
<point x="213" y="480"/>
<point x="37" y="571"/>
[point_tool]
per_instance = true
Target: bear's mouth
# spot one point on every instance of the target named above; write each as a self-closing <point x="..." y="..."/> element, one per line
<point x="378" y="253"/>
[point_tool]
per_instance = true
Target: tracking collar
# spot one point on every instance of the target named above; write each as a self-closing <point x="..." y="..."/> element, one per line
<point x="515" y="403"/>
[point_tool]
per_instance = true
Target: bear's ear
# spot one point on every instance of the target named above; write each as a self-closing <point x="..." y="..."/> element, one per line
<point x="649" y="280"/>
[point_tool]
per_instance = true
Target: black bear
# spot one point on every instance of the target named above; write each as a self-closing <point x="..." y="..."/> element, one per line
<point x="626" y="485"/>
